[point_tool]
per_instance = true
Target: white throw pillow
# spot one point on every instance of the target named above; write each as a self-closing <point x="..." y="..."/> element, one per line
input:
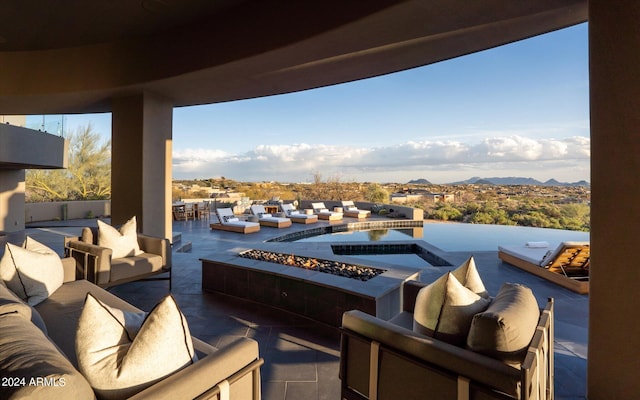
<point x="33" y="272"/>
<point x="119" y="362"/>
<point x="123" y="242"/>
<point x="444" y="310"/>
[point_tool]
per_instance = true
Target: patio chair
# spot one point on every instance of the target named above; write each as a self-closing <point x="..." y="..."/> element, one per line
<point x="203" y="210"/>
<point x="350" y="210"/>
<point x="323" y="213"/>
<point x="566" y="265"/>
<point x="227" y="221"/>
<point x="297" y="216"/>
<point x="190" y="211"/>
<point x="266" y="219"/>
<point x="507" y="354"/>
<point x="179" y="212"/>
<point x="101" y="266"/>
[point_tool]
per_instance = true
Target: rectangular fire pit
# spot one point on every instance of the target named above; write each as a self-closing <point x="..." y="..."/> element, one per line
<point x="317" y="295"/>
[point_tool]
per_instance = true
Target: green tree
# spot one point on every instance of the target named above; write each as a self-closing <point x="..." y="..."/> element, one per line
<point x="376" y="194"/>
<point x="447" y="212"/>
<point x="575" y="216"/>
<point x="46" y="185"/>
<point x="88" y="176"/>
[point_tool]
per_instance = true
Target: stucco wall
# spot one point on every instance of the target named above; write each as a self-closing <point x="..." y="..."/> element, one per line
<point x="53" y="211"/>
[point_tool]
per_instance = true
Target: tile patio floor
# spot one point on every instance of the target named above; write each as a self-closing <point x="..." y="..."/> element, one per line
<point x="301" y="356"/>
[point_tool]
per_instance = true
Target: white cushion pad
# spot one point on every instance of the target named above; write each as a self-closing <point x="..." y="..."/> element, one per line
<point x="32" y="272"/>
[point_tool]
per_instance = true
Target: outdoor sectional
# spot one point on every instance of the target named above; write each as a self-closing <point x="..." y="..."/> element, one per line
<point x="38" y="351"/>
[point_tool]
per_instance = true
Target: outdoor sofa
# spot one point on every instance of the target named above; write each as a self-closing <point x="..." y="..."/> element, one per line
<point x="390" y="360"/>
<point x="38" y="357"/>
<point x="566" y="265"/>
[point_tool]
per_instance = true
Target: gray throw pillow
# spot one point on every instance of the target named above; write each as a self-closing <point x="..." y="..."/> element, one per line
<point x="506" y="328"/>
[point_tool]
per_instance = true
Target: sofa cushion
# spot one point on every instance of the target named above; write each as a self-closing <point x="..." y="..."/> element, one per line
<point x="10" y="303"/>
<point x="128" y="267"/>
<point x="61" y="312"/>
<point x="444" y="310"/>
<point x="32" y="367"/>
<point x="118" y="365"/>
<point x="506" y="328"/>
<point x="467" y="274"/>
<point x="123" y="242"/>
<point x="33" y="272"/>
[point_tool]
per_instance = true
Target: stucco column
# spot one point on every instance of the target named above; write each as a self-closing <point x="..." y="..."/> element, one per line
<point x="614" y="306"/>
<point x="141" y="162"/>
<point x="12" y="188"/>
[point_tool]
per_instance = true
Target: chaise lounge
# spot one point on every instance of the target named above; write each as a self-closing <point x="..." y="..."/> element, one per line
<point x="266" y="219"/>
<point x="323" y="213"/>
<point x="227" y="221"/>
<point x="566" y="265"/>
<point x="350" y="210"/>
<point x="297" y="216"/>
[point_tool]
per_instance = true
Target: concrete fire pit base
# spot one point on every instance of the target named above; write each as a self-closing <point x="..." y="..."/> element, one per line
<point x="320" y="296"/>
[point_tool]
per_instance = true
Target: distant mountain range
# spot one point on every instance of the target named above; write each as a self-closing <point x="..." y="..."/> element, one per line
<point x="505" y="181"/>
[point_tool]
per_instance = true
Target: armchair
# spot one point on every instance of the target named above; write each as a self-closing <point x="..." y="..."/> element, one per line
<point x="388" y="360"/>
<point x="99" y="267"/>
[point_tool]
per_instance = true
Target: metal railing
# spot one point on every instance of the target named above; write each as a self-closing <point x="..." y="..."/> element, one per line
<point x="50" y="123"/>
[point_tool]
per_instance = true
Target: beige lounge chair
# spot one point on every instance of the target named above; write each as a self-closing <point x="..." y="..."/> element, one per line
<point x="227" y="221"/>
<point x="566" y="265"/>
<point x="350" y="210"/>
<point x="297" y="216"/>
<point x="98" y="266"/>
<point x="323" y="213"/>
<point x="266" y="219"/>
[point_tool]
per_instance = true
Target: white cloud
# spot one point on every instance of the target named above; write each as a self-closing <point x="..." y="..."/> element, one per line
<point x="296" y="162"/>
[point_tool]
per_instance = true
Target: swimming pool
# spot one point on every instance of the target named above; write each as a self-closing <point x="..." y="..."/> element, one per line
<point x="458" y="236"/>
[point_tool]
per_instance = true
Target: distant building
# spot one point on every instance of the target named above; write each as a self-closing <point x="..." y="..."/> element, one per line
<point x="419" y="195"/>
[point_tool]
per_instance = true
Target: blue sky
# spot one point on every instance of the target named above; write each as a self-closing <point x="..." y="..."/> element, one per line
<point x="517" y="110"/>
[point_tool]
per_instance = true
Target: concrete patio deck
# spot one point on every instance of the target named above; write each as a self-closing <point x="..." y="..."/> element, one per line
<point x="302" y="356"/>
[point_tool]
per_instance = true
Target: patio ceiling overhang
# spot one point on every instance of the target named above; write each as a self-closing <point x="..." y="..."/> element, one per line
<point x="70" y="57"/>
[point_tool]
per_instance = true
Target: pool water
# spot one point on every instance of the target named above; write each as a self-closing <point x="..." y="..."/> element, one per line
<point x="373" y="235"/>
<point x="406" y="260"/>
<point x="460" y="237"/>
